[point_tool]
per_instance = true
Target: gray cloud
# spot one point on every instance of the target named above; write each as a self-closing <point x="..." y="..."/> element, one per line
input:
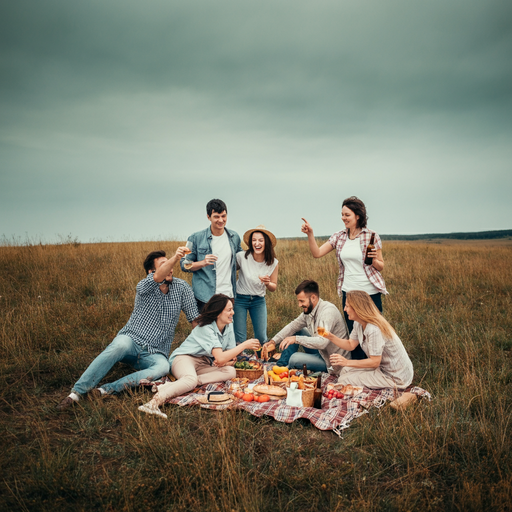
<point x="109" y="106"/>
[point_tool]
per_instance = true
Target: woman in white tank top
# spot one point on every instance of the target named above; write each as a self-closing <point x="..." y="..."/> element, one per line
<point x="257" y="274"/>
<point x="351" y="244"/>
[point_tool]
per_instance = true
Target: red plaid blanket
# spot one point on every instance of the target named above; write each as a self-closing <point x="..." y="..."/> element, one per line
<point x="336" y="414"/>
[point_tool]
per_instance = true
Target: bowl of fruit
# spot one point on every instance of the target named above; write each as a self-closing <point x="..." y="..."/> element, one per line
<point x="251" y="370"/>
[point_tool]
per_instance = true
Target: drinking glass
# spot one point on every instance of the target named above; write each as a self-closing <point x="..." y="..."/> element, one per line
<point x="215" y="262"/>
<point x="187" y="264"/>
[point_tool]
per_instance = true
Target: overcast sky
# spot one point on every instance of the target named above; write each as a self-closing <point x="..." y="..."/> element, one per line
<point x="120" y="119"/>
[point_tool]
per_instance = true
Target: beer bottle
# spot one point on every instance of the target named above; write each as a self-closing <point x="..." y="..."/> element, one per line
<point x="317" y="400"/>
<point x="371" y="246"/>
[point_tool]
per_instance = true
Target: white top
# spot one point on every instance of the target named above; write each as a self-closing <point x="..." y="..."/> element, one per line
<point x="248" y="277"/>
<point x="395" y="362"/>
<point x="355" y="276"/>
<point x="222" y="249"/>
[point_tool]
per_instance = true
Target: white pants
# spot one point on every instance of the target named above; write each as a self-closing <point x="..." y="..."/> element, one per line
<point x="191" y="372"/>
<point x="372" y="378"/>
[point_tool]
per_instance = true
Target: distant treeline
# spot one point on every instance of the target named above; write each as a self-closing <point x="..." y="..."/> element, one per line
<point x="479" y="235"/>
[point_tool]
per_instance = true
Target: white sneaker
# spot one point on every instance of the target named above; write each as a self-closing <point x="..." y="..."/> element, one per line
<point x="152" y="409"/>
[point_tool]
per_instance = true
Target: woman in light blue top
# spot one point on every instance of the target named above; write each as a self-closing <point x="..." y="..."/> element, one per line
<point x="207" y="355"/>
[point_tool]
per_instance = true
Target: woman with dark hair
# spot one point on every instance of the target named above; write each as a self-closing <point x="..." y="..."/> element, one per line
<point x="350" y="245"/>
<point x="388" y="364"/>
<point x="257" y="274"/>
<point x="207" y="355"/>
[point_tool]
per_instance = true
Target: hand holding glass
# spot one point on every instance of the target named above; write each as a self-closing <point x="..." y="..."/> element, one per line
<point x="187" y="264"/>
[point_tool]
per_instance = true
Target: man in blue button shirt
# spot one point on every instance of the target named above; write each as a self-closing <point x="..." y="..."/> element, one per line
<point x="145" y="341"/>
<point x="213" y="254"/>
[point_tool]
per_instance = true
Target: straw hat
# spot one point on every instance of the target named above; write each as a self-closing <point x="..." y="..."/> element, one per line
<point x="262" y="229"/>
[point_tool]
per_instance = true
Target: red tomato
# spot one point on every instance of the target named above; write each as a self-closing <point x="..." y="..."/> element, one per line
<point x="238" y="394"/>
<point x="264" y="398"/>
<point x="283" y="375"/>
<point x="248" y="397"/>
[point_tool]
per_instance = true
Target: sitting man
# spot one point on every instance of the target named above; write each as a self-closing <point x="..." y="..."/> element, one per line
<point x="145" y="341"/>
<point x="317" y="313"/>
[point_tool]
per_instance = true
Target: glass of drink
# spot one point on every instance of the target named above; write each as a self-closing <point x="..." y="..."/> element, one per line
<point x="187" y="264"/>
<point x="321" y="329"/>
<point x="215" y="262"/>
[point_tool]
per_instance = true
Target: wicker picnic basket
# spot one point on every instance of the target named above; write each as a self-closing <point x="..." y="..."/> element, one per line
<point x="308" y="394"/>
<point x="249" y="374"/>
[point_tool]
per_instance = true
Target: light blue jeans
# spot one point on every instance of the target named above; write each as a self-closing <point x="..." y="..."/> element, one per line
<point x="291" y="358"/>
<point x="257" y="309"/>
<point x="122" y="349"/>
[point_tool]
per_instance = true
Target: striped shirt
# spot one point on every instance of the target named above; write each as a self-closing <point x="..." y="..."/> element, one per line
<point x="156" y="314"/>
<point x="374" y="276"/>
<point x="395" y="362"/>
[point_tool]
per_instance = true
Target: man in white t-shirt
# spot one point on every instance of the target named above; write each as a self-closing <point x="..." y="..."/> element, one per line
<point x="213" y="254"/>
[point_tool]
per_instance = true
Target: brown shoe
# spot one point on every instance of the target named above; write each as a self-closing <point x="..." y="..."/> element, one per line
<point x="404" y="401"/>
<point x="65" y="404"/>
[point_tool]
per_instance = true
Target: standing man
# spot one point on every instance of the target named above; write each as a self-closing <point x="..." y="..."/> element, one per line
<point x="316" y="313"/>
<point x="214" y="255"/>
<point x="145" y="341"/>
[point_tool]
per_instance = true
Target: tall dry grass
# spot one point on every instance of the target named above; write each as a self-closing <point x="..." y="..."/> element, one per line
<point x="61" y="305"/>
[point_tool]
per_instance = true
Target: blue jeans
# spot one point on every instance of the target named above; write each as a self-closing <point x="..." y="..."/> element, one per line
<point x="257" y="309"/>
<point x="291" y="358"/>
<point x="122" y="349"/>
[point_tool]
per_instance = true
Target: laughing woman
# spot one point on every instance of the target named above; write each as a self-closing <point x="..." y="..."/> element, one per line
<point x="350" y="245"/>
<point x="257" y="274"/>
<point x="388" y="364"/>
<point x="206" y="356"/>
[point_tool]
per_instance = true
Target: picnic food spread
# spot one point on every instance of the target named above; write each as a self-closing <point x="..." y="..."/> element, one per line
<point x="273" y="391"/>
<point x="246" y="365"/>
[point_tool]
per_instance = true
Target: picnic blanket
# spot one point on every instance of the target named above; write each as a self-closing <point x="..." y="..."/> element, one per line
<point x="336" y="414"/>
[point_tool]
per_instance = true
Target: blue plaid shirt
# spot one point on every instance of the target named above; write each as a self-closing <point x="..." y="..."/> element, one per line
<point x="156" y="314"/>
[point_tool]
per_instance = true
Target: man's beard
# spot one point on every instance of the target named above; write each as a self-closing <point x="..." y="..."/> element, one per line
<point x="168" y="281"/>
<point x="310" y="308"/>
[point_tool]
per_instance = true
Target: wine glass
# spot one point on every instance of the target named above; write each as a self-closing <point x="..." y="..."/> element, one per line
<point x="320" y="329"/>
<point x="215" y="262"/>
<point x="187" y="264"/>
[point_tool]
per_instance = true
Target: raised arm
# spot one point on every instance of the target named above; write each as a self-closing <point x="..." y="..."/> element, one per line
<point x="163" y="270"/>
<point x="344" y="344"/>
<point x="316" y="251"/>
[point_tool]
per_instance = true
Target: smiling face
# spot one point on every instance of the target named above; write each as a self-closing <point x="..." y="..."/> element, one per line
<point x="307" y="302"/>
<point x="226" y="316"/>
<point x="158" y="263"/>
<point x="218" y="222"/>
<point x="349" y="218"/>
<point x="258" y="242"/>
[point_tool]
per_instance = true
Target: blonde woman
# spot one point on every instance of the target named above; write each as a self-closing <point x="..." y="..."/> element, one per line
<point x="387" y="364"/>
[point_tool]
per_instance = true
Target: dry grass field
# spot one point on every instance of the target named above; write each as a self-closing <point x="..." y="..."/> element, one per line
<point x="61" y="305"/>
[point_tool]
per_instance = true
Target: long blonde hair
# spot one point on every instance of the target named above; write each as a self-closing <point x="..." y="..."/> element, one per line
<point x="367" y="311"/>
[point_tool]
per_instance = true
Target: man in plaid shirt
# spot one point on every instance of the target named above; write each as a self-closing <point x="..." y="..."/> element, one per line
<point x="145" y="341"/>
